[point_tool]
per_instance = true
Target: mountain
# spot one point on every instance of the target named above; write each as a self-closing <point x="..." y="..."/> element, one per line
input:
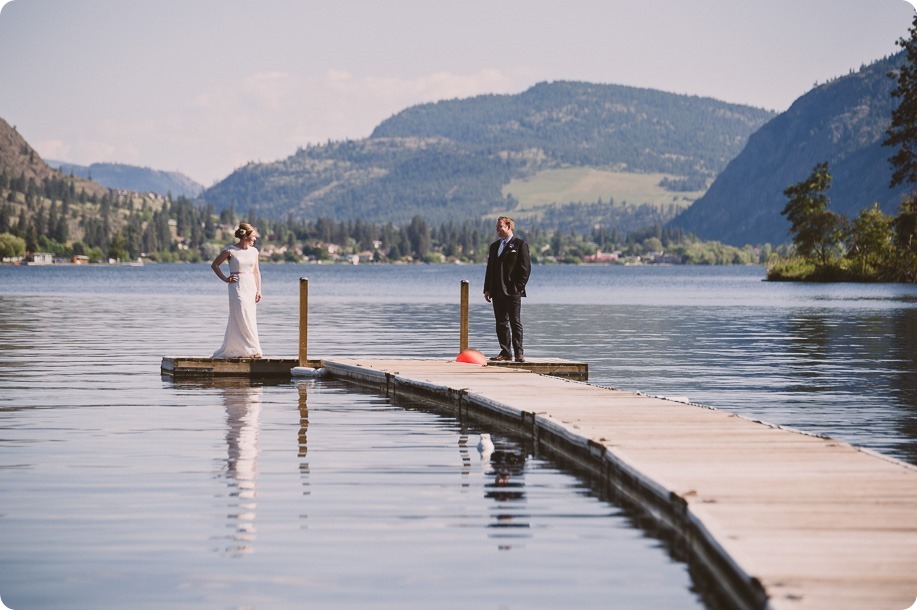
<point x="132" y="178"/>
<point x="842" y="122"/>
<point x="19" y="161"/>
<point x="583" y="124"/>
<point x="455" y="160"/>
<point x="66" y="214"/>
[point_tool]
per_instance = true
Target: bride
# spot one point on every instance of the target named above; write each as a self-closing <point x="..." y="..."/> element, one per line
<point x="241" y="340"/>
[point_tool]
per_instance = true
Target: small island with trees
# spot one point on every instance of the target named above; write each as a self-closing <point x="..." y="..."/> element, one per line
<point x="874" y="246"/>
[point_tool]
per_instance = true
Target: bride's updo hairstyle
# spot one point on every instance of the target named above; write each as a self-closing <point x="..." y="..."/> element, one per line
<point x="243" y="230"/>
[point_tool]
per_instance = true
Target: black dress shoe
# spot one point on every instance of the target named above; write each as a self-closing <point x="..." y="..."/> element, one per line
<point x="501" y="358"/>
<point x="520" y="358"/>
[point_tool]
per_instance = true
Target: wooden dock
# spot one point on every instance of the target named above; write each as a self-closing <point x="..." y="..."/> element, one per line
<point x="776" y="518"/>
<point x="187" y="367"/>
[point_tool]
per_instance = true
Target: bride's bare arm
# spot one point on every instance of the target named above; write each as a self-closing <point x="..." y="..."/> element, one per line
<point x="257" y="271"/>
<point x="221" y="258"/>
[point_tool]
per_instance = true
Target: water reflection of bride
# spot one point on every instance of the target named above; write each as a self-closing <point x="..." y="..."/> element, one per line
<point x="243" y="425"/>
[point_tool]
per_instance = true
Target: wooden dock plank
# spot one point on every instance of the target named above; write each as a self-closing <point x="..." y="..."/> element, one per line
<point x="817" y="522"/>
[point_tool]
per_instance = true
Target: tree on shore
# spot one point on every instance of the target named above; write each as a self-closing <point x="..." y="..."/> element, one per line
<point x="903" y="134"/>
<point x="11" y="246"/>
<point x="816" y="230"/>
<point x="870" y="240"/>
<point x="904" y="239"/>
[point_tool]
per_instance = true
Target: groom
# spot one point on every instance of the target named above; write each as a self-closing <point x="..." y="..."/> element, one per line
<point x="508" y="268"/>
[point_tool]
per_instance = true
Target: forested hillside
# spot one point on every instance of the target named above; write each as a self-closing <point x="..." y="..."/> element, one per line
<point x="584" y="124"/>
<point x="19" y="162"/>
<point x="378" y="180"/>
<point x="44" y="210"/>
<point x="843" y="123"/>
<point x="449" y="161"/>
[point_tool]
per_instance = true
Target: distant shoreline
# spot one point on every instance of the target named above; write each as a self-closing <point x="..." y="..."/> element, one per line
<point x="372" y="264"/>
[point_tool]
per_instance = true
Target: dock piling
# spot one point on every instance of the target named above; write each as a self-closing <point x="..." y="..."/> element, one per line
<point x="303" y="320"/>
<point x="463" y="318"/>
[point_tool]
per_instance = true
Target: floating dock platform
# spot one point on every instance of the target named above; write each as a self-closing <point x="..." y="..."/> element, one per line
<point x="183" y="367"/>
<point x="180" y="367"/>
<point x="776" y="518"/>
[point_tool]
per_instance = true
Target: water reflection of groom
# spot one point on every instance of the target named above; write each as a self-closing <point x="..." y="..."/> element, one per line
<point x="506" y="465"/>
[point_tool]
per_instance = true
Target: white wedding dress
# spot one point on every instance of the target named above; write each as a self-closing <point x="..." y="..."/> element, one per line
<point x="241" y="340"/>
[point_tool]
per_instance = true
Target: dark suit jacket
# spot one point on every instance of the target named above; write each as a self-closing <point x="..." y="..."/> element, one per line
<point x="507" y="274"/>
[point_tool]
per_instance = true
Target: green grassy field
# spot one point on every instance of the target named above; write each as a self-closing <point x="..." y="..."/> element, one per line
<point x="587" y="185"/>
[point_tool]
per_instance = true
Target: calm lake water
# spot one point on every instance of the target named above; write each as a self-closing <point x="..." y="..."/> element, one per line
<point x="122" y="489"/>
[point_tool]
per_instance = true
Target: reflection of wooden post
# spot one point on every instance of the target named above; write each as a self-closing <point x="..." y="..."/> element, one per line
<point x="303" y="430"/>
<point x="463" y="323"/>
<point x="303" y="319"/>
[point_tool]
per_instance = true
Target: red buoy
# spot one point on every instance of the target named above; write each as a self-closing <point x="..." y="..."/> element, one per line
<point x="471" y="356"/>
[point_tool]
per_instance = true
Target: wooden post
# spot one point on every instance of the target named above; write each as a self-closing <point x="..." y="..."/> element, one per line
<point x="303" y="320"/>
<point x="463" y="318"/>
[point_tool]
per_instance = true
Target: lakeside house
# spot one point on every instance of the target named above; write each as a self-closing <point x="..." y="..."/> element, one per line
<point x="41" y="258"/>
<point x="603" y="257"/>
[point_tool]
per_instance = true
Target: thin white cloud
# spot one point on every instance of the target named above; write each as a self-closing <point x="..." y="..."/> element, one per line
<point x="436" y="86"/>
<point x="53" y="149"/>
<point x="338" y="75"/>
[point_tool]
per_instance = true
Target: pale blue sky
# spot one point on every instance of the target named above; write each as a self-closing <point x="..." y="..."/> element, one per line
<point x="204" y="86"/>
